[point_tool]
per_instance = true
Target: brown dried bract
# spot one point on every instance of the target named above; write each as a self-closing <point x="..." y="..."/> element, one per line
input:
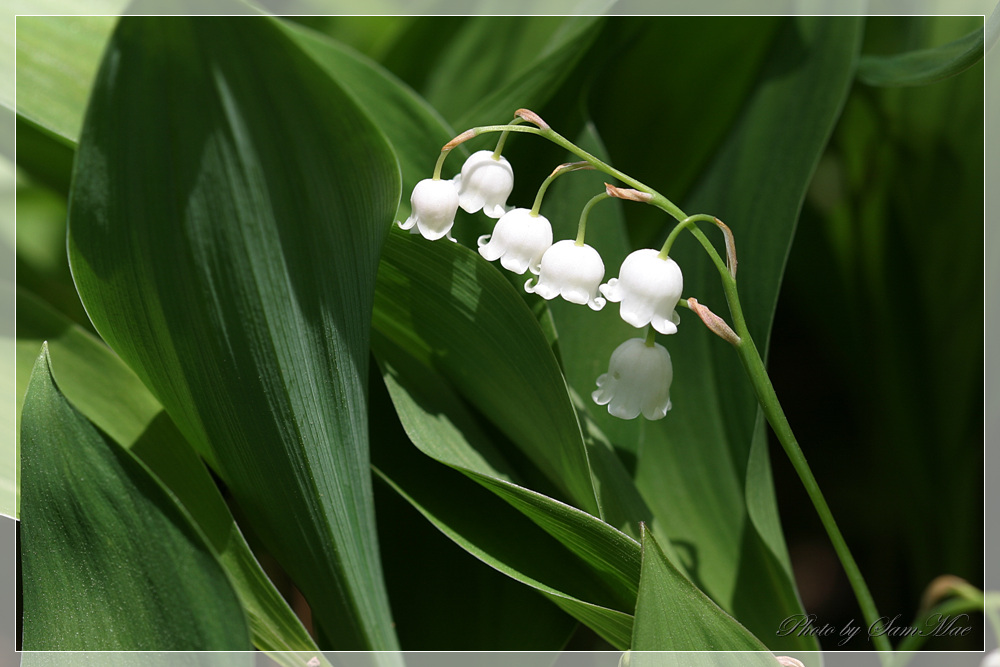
<point x="627" y="193"/>
<point x="571" y="166"/>
<point x="730" y="246"/>
<point x="716" y="324"/>
<point x="532" y="117"/>
<point x="465" y="136"/>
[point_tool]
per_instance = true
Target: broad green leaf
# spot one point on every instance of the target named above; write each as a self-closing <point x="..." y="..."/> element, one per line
<point x="459" y="509"/>
<point x="228" y="208"/>
<point x="672" y="614"/>
<point x="457" y="603"/>
<point x="57" y="59"/>
<point x="112" y="397"/>
<point x="923" y="66"/>
<point x="441" y="427"/>
<point x="97" y="577"/>
<point x="678" y="113"/>
<point x="695" y="465"/>
<point x="416" y="131"/>
<point x="451" y="310"/>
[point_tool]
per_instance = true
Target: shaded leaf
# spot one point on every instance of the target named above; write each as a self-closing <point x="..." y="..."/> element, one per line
<point x="98" y="578"/>
<point x="694" y="466"/>
<point x="449" y="309"/>
<point x="923" y="66"/>
<point x="228" y="208"/>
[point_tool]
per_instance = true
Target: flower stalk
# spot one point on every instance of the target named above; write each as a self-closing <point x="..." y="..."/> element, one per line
<point x="738" y="335"/>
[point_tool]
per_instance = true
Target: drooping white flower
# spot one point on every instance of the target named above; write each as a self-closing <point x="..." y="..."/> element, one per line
<point x="485" y="183"/>
<point x="519" y="240"/>
<point x="648" y="288"/>
<point x="433" y="205"/>
<point x="992" y="659"/>
<point x="638" y="381"/>
<point x="572" y="271"/>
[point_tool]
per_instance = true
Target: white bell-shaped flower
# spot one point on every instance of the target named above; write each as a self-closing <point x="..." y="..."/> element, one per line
<point x="571" y="271"/>
<point x="638" y="381"/>
<point x="648" y="288"/>
<point x="485" y="183"/>
<point x="433" y="205"/>
<point x="519" y="240"/>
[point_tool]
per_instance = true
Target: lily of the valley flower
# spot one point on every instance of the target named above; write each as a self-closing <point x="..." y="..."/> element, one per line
<point x="638" y="381"/>
<point x="433" y="205"/>
<point x="648" y="288"/>
<point x="519" y="240"/>
<point x="485" y="183"/>
<point x="572" y="271"/>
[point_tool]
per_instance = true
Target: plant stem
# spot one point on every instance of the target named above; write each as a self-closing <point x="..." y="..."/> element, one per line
<point x="754" y="367"/>
<point x="581" y="229"/>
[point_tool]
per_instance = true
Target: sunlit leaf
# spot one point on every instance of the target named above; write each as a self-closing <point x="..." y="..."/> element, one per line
<point x="228" y="208"/>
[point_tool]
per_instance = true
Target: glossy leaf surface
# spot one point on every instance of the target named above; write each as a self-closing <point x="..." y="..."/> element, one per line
<point x="228" y="209"/>
<point x="98" y="578"/>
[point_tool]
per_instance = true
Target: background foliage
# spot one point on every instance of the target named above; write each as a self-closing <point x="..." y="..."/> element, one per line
<point x="233" y="183"/>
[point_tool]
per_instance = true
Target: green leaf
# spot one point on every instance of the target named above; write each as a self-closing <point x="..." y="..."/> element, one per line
<point x="452" y="310"/>
<point x="923" y="66"/>
<point x="228" y="209"/>
<point x="672" y="614"/>
<point x="414" y="128"/>
<point x="97" y="577"/>
<point x="57" y="59"/>
<point x="508" y="541"/>
<point x="438" y="424"/>
<point x="704" y="469"/>
<point x="112" y="397"/>
<point x="436" y="605"/>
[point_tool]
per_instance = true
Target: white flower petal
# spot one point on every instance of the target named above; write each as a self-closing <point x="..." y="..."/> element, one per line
<point x="648" y="288"/>
<point x="637" y="382"/>
<point x="518" y="240"/>
<point x="434" y="204"/>
<point x="485" y="183"/>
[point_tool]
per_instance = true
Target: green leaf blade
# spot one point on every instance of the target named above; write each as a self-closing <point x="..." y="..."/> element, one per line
<point x="228" y="209"/>
<point x="672" y="614"/>
<point x="923" y="66"/>
<point x="97" y="577"/>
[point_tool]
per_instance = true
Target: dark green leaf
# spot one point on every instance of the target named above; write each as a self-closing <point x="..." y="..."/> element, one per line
<point x="100" y="578"/>
<point x="451" y="310"/>
<point x="228" y="209"/>
<point x="672" y="614"/>
<point x="923" y="66"/>
<point x="704" y="469"/>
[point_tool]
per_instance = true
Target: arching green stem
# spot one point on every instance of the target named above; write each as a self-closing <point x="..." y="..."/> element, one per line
<point x="581" y="229"/>
<point x="650" y="336"/>
<point x="683" y="224"/>
<point x="556" y="173"/>
<point x="503" y="139"/>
